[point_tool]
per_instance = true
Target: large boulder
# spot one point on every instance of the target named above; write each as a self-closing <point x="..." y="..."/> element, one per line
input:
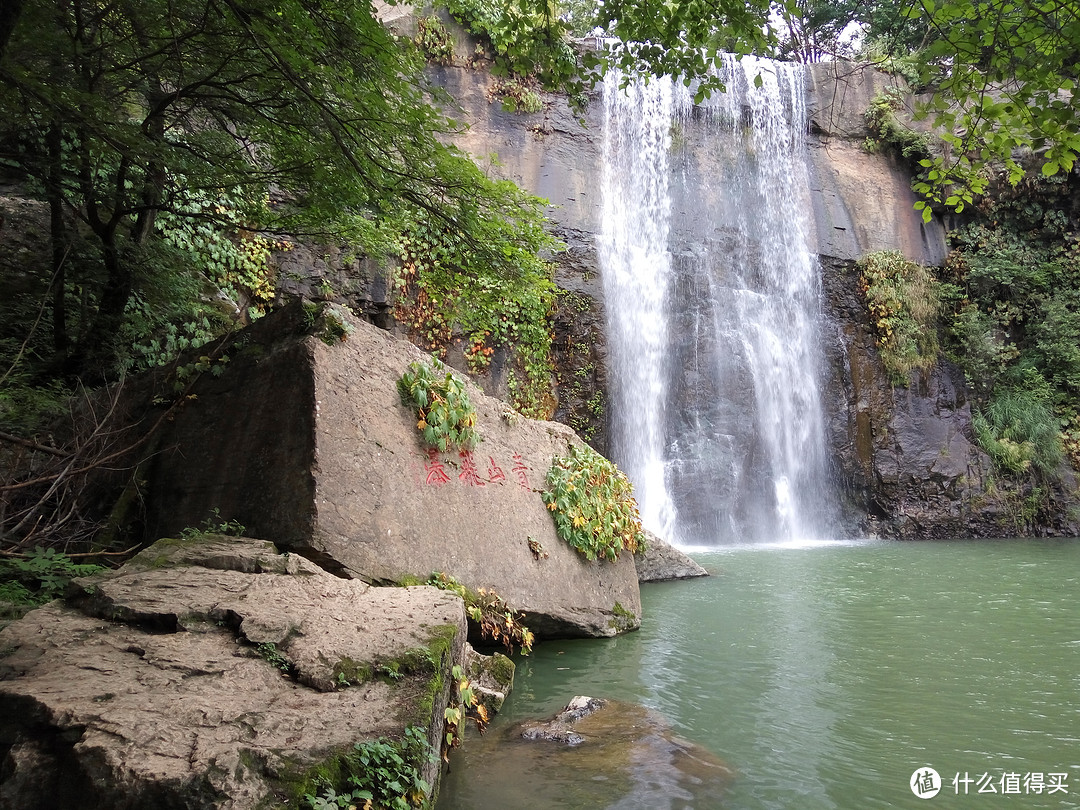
<point x="309" y="445"/>
<point x="217" y="673"/>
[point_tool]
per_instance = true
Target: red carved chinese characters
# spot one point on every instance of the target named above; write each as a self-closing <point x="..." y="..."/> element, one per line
<point x="436" y="473"/>
<point x="520" y="468"/>
<point x="469" y="474"/>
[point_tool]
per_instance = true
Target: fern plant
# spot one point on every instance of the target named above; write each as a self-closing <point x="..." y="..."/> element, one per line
<point x="904" y="299"/>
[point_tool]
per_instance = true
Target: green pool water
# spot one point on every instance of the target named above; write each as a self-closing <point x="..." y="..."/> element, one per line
<point x="825" y="675"/>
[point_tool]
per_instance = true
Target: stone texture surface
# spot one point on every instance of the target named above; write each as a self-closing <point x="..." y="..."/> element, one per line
<point x="490" y="676"/>
<point x="146" y="687"/>
<point x="662" y="561"/>
<point x="620" y="754"/>
<point x="309" y="445"/>
<point x="906" y="456"/>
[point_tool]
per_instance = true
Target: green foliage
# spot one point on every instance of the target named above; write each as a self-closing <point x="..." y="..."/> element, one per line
<point x="1004" y="76"/>
<point x="328" y="321"/>
<point x="1016" y="324"/>
<point x="467" y="704"/>
<point x="447" y="289"/>
<point x="383" y="774"/>
<point x="446" y="418"/>
<point x="904" y="300"/>
<point x="985" y="351"/>
<point x="526" y="38"/>
<point x="269" y="652"/>
<point x="887" y="131"/>
<point x="530" y="39"/>
<point x="882" y="54"/>
<point x="815" y="29"/>
<point x="40" y="576"/>
<point x="592" y="503"/>
<point x="434" y="41"/>
<point x="216" y="233"/>
<point x="165" y="128"/>
<point x="27" y="405"/>
<point x="214" y="524"/>
<point x="515" y="95"/>
<point x="1019" y="432"/>
<point x="494" y="618"/>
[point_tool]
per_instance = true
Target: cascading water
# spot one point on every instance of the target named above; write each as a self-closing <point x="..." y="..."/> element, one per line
<point x="713" y="307"/>
<point x="636" y="268"/>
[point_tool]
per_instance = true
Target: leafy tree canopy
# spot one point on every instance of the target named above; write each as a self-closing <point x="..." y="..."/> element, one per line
<point x="131" y="116"/>
<point x="120" y="112"/>
<point x="1004" y="76"/>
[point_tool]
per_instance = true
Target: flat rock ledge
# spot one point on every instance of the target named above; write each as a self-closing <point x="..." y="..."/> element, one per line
<point x="662" y="562"/>
<point x="215" y="672"/>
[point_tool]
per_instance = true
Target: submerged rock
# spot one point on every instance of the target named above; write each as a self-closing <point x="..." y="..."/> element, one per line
<point x="627" y="751"/>
<point x="560" y="727"/>
<point x="214" y="673"/>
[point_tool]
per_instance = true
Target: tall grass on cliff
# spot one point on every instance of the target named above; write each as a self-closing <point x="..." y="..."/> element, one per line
<point x="1019" y="432"/>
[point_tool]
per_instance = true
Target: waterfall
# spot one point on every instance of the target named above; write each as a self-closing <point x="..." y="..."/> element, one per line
<point x="713" y="307"/>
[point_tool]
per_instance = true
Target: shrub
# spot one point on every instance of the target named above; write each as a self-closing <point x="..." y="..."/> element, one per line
<point x="515" y="95"/>
<point x="1019" y="432"/>
<point x="40" y="576"/>
<point x="983" y="350"/>
<point x="497" y="622"/>
<point x="904" y="300"/>
<point x="434" y="41"/>
<point x="445" y="416"/>
<point x="593" y="505"/>
<point x="887" y="131"/>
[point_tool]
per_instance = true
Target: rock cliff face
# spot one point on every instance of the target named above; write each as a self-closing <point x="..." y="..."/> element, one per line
<point x="903" y="458"/>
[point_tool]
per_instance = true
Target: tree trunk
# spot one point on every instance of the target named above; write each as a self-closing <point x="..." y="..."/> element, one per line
<point x="96" y="360"/>
<point x="59" y="239"/>
<point x="10" y="11"/>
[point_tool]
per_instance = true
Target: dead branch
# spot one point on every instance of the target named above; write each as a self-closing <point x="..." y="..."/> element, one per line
<point x="7" y="437"/>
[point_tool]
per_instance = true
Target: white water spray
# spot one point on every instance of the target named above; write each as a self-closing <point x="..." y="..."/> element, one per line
<point x="636" y="271"/>
<point x="713" y="301"/>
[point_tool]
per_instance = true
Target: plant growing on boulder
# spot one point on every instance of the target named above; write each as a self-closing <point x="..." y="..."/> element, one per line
<point x="383" y="774"/>
<point x="445" y="416"/>
<point x="466" y="706"/>
<point x="434" y="41"/>
<point x="593" y="505"/>
<point x="497" y="622"/>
